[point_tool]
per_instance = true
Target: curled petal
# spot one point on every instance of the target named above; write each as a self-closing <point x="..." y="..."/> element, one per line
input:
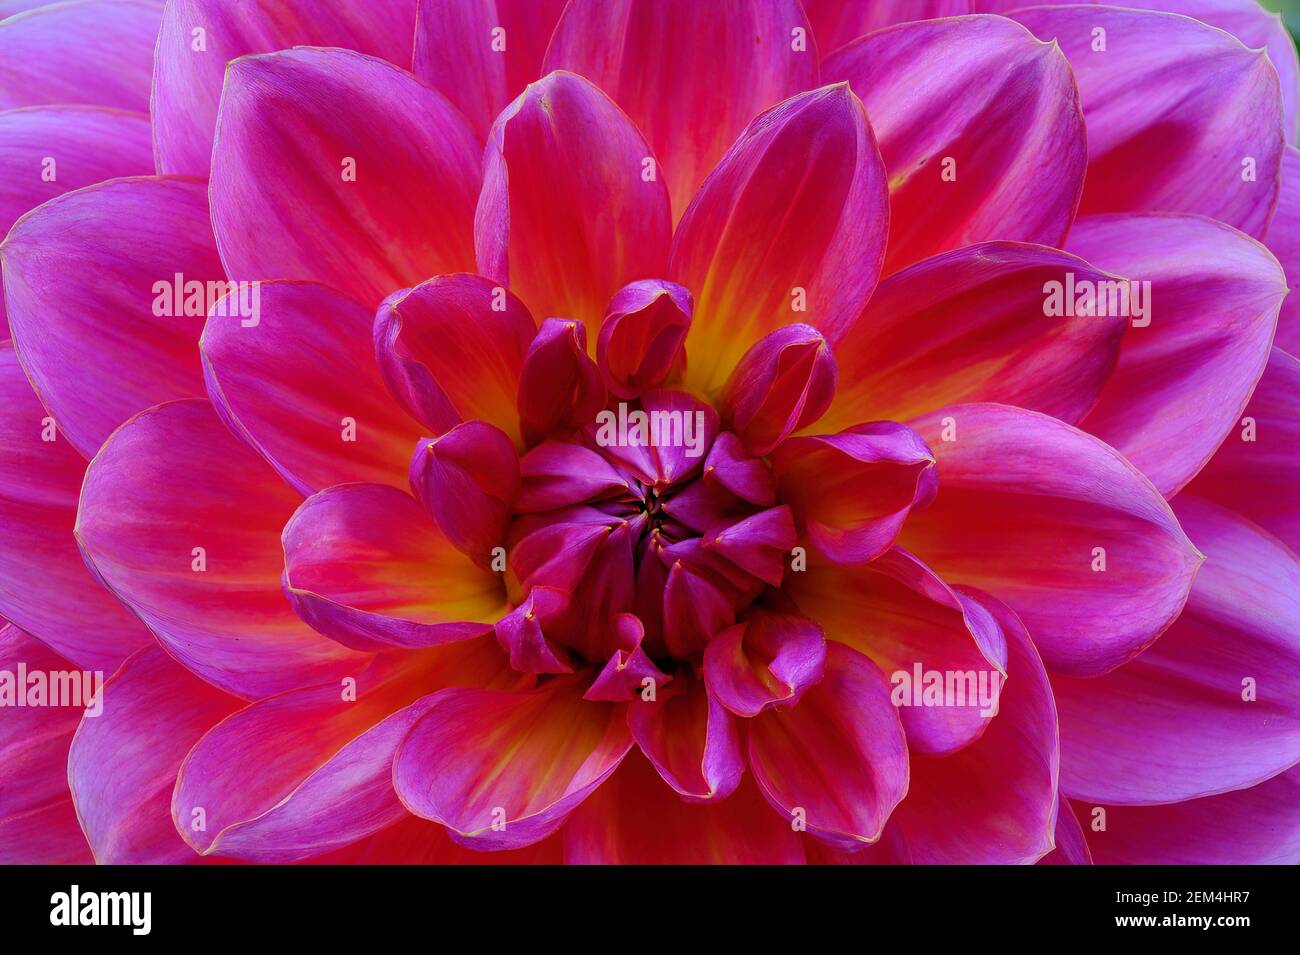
<point x="365" y="565"/>
<point x="1071" y="844"/>
<point x="144" y="255"/>
<point x="629" y="665"/>
<point x="181" y="521"/>
<point x="783" y="383"/>
<point x="1057" y="525"/>
<point x="452" y="349"/>
<point x="690" y="75"/>
<point x="91" y="52"/>
<point x="523" y="633"/>
<point x="123" y="763"/>
<point x="960" y="175"/>
<point x="691" y="739"/>
<point x="376" y="171"/>
<point x="555" y="475"/>
<point x="768" y="660"/>
<point x="695" y="608"/>
<point x="571" y="210"/>
<point x="502" y="770"/>
<point x="757" y="544"/>
<point x="1181" y="117"/>
<point x="1211" y="297"/>
<point x="983" y="323"/>
<point x="642" y="338"/>
<point x="188" y="79"/>
<point x="898" y="612"/>
<point x="837" y="761"/>
<point x="290" y="369"/>
<point x="791" y="225"/>
<point x="559" y="387"/>
<point x="852" y="491"/>
<point x="1212" y="705"/>
<point x="729" y="467"/>
<point x="467" y="480"/>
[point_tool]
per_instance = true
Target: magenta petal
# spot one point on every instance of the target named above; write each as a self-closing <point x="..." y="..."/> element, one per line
<point x="1181" y="117"/>
<point x="1059" y="526"/>
<point x="1071" y="843"/>
<point x="364" y="564"/>
<point x="452" y="349"/>
<point x="790" y="226"/>
<point x="1187" y="367"/>
<point x="690" y="75"/>
<point x="1256" y="470"/>
<point x="1283" y="241"/>
<point x="629" y="666"/>
<point x="555" y="475"/>
<point x="503" y="770"/>
<point x="91" y="52"/>
<point x="559" y="387"/>
<point x="481" y="54"/>
<point x="110" y="265"/>
<point x="44" y="585"/>
<point x="758" y="544"/>
<point x="691" y="739"/>
<point x="783" y="383"/>
<point x="522" y="633"/>
<point x="769" y="660"/>
<point x="570" y="211"/>
<point x="642" y="337"/>
<point x="38" y="822"/>
<point x="187" y="83"/>
<point x="467" y="480"/>
<point x="730" y="468"/>
<point x="837" y="22"/>
<point x="962" y="175"/>
<point x="298" y="381"/>
<point x="835" y="763"/>
<point x="851" y="492"/>
<point x="1213" y="704"/>
<point x="376" y="171"/>
<point x="122" y="766"/>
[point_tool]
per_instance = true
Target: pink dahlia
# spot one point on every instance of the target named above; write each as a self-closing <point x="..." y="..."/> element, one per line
<point x="649" y="430"/>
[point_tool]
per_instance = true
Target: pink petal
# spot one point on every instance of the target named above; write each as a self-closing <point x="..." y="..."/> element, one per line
<point x="972" y="325"/>
<point x="1183" y="380"/>
<point x="1256" y="470"/>
<point x="123" y="763"/>
<point x="690" y="75"/>
<point x="567" y="216"/>
<point x="555" y="475"/>
<point x="783" y="383"/>
<point x="311" y="770"/>
<point x="1256" y="826"/>
<point x="837" y="22"/>
<point x="969" y="112"/>
<point x="502" y="770"/>
<point x="1031" y="509"/>
<point x="364" y="564"/>
<point x="173" y="480"/>
<point x="790" y="226"/>
<point x="1176" y="723"/>
<point x="452" y="349"/>
<point x="770" y="660"/>
<point x="837" y="761"/>
<point x="994" y="802"/>
<point x="44" y="585"/>
<point x="899" y="613"/>
<point x="376" y="172"/>
<point x="1284" y="242"/>
<point x="730" y="468"/>
<point x="91" y="289"/>
<point x="467" y="480"/>
<point x="611" y="827"/>
<point x="851" y="492"/>
<point x="1174" y="108"/>
<point x="298" y="381"/>
<point x="91" y="52"/>
<point x="187" y="83"/>
<point x="757" y="544"/>
<point x="691" y="739"/>
<point x="38" y="823"/>
<point x="481" y="54"/>
<point x="625" y="674"/>
<point x="642" y="337"/>
<point x="1071" y="844"/>
<point x="559" y="387"/>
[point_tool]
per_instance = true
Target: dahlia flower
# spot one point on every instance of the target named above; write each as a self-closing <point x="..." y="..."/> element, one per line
<point x="649" y="431"/>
